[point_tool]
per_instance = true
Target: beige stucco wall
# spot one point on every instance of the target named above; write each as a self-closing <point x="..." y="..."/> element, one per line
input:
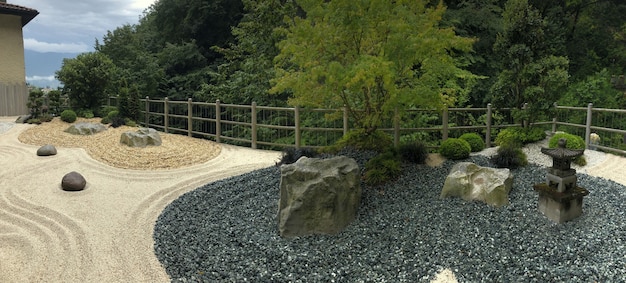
<point x="12" y="70"/>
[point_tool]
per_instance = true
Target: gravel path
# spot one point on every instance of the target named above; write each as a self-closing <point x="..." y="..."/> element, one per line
<point x="226" y="232"/>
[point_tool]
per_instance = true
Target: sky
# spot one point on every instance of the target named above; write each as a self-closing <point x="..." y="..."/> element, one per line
<point x="66" y="28"/>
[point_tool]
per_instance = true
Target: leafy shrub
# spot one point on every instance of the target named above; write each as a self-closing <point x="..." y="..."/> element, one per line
<point x="130" y="122"/>
<point x="291" y="155"/>
<point x="519" y="136"/>
<point x="117" y="122"/>
<point x="358" y="139"/>
<point x="382" y="168"/>
<point x="85" y="113"/>
<point x="105" y="110"/>
<point x="509" y="156"/>
<point x="414" y="152"/>
<point x="474" y="140"/>
<point x="68" y="116"/>
<point x="46" y="118"/>
<point x="110" y="117"/>
<point x="573" y="142"/>
<point x="35" y="121"/>
<point x="455" y="149"/>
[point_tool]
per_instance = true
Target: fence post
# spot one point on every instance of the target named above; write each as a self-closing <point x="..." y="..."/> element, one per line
<point x="253" y="116"/>
<point x="147" y="115"/>
<point x="588" y="125"/>
<point x="554" y="120"/>
<point x="166" y="111"/>
<point x="296" y="115"/>
<point x="488" y="130"/>
<point x="189" y="117"/>
<point x="444" y="123"/>
<point x="525" y="121"/>
<point x="218" y="121"/>
<point x="396" y="128"/>
<point x="345" y="120"/>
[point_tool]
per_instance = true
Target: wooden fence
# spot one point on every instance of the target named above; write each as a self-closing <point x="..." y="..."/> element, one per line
<point x="13" y="99"/>
<point x="202" y="119"/>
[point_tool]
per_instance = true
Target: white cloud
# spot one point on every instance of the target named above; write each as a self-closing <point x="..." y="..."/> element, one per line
<point x="38" y="46"/>
<point x="41" y="78"/>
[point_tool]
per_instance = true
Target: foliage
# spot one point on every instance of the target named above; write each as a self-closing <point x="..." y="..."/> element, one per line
<point x="371" y="57"/>
<point x="86" y="79"/>
<point x="475" y="141"/>
<point x="573" y="142"/>
<point x="105" y="110"/>
<point x="85" y="113"/>
<point x="382" y="168"/>
<point x="35" y="103"/>
<point x="291" y="155"/>
<point x="509" y="156"/>
<point x="358" y="139"/>
<point x="519" y="136"/>
<point x="414" y="152"/>
<point x="596" y="89"/>
<point x="128" y="103"/>
<point x="110" y="117"/>
<point x="531" y="71"/>
<point x="455" y="149"/>
<point x="68" y="116"/>
<point x="54" y="102"/>
<point x="117" y="121"/>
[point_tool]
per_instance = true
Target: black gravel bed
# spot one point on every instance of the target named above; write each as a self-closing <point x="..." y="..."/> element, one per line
<point x="226" y="231"/>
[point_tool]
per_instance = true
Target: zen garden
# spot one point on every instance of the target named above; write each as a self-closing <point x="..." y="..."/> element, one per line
<point x="472" y="138"/>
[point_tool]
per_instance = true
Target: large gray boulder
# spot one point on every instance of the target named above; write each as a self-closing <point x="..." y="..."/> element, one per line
<point x="318" y="196"/>
<point x="85" y="128"/>
<point x="47" y="150"/>
<point x="141" y="138"/>
<point x="472" y="182"/>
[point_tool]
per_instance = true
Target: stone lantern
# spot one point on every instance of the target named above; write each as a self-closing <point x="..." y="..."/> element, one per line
<point x="560" y="199"/>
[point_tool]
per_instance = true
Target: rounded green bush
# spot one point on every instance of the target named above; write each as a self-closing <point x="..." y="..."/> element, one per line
<point x="573" y="142"/>
<point x="414" y="152"/>
<point x="509" y="156"/>
<point x="455" y="149"/>
<point x="474" y="140"/>
<point x="68" y="116"/>
<point x="382" y="168"/>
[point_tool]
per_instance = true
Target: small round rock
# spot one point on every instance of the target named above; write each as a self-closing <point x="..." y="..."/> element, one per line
<point x="47" y="150"/>
<point x="73" y="181"/>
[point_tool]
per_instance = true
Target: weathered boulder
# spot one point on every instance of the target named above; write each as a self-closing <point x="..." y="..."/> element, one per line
<point x="22" y="119"/>
<point x="85" y="128"/>
<point x="141" y="138"/>
<point x="318" y="196"/>
<point x="472" y="182"/>
<point x="47" y="150"/>
<point x="73" y="181"/>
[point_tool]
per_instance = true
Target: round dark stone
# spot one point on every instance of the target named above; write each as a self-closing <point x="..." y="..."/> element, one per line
<point x="47" y="150"/>
<point x="73" y="181"/>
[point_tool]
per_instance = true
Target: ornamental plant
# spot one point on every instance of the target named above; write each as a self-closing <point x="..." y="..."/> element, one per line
<point x="455" y="149"/>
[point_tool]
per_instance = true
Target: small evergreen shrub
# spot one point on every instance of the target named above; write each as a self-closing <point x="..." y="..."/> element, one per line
<point x="46" y="118"/>
<point x="291" y="155"/>
<point x="360" y="140"/>
<point x="110" y="117"/>
<point x="68" y="116"/>
<point x="85" y="113"/>
<point x="455" y="149"/>
<point x="105" y="110"/>
<point x="519" y="136"/>
<point x="475" y="141"/>
<point x="117" y="122"/>
<point x="382" y="168"/>
<point x="130" y="122"/>
<point x="414" y="152"/>
<point x="509" y="156"/>
<point x="573" y="142"/>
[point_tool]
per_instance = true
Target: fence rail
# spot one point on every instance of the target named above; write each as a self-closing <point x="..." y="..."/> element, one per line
<point x="243" y="124"/>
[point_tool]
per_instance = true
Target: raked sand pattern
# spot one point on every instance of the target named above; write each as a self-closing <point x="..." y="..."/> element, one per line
<point x="100" y="234"/>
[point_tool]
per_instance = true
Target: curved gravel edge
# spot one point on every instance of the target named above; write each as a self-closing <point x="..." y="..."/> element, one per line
<point x="227" y="231"/>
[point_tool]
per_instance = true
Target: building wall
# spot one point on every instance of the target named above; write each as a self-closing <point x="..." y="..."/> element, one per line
<point x="12" y="70"/>
<point x="13" y="91"/>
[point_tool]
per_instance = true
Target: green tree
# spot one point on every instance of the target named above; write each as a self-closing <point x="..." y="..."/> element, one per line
<point x="530" y="73"/>
<point x="596" y="89"/>
<point x="245" y="76"/>
<point x="86" y="79"/>
<point x="371" y="56"/>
